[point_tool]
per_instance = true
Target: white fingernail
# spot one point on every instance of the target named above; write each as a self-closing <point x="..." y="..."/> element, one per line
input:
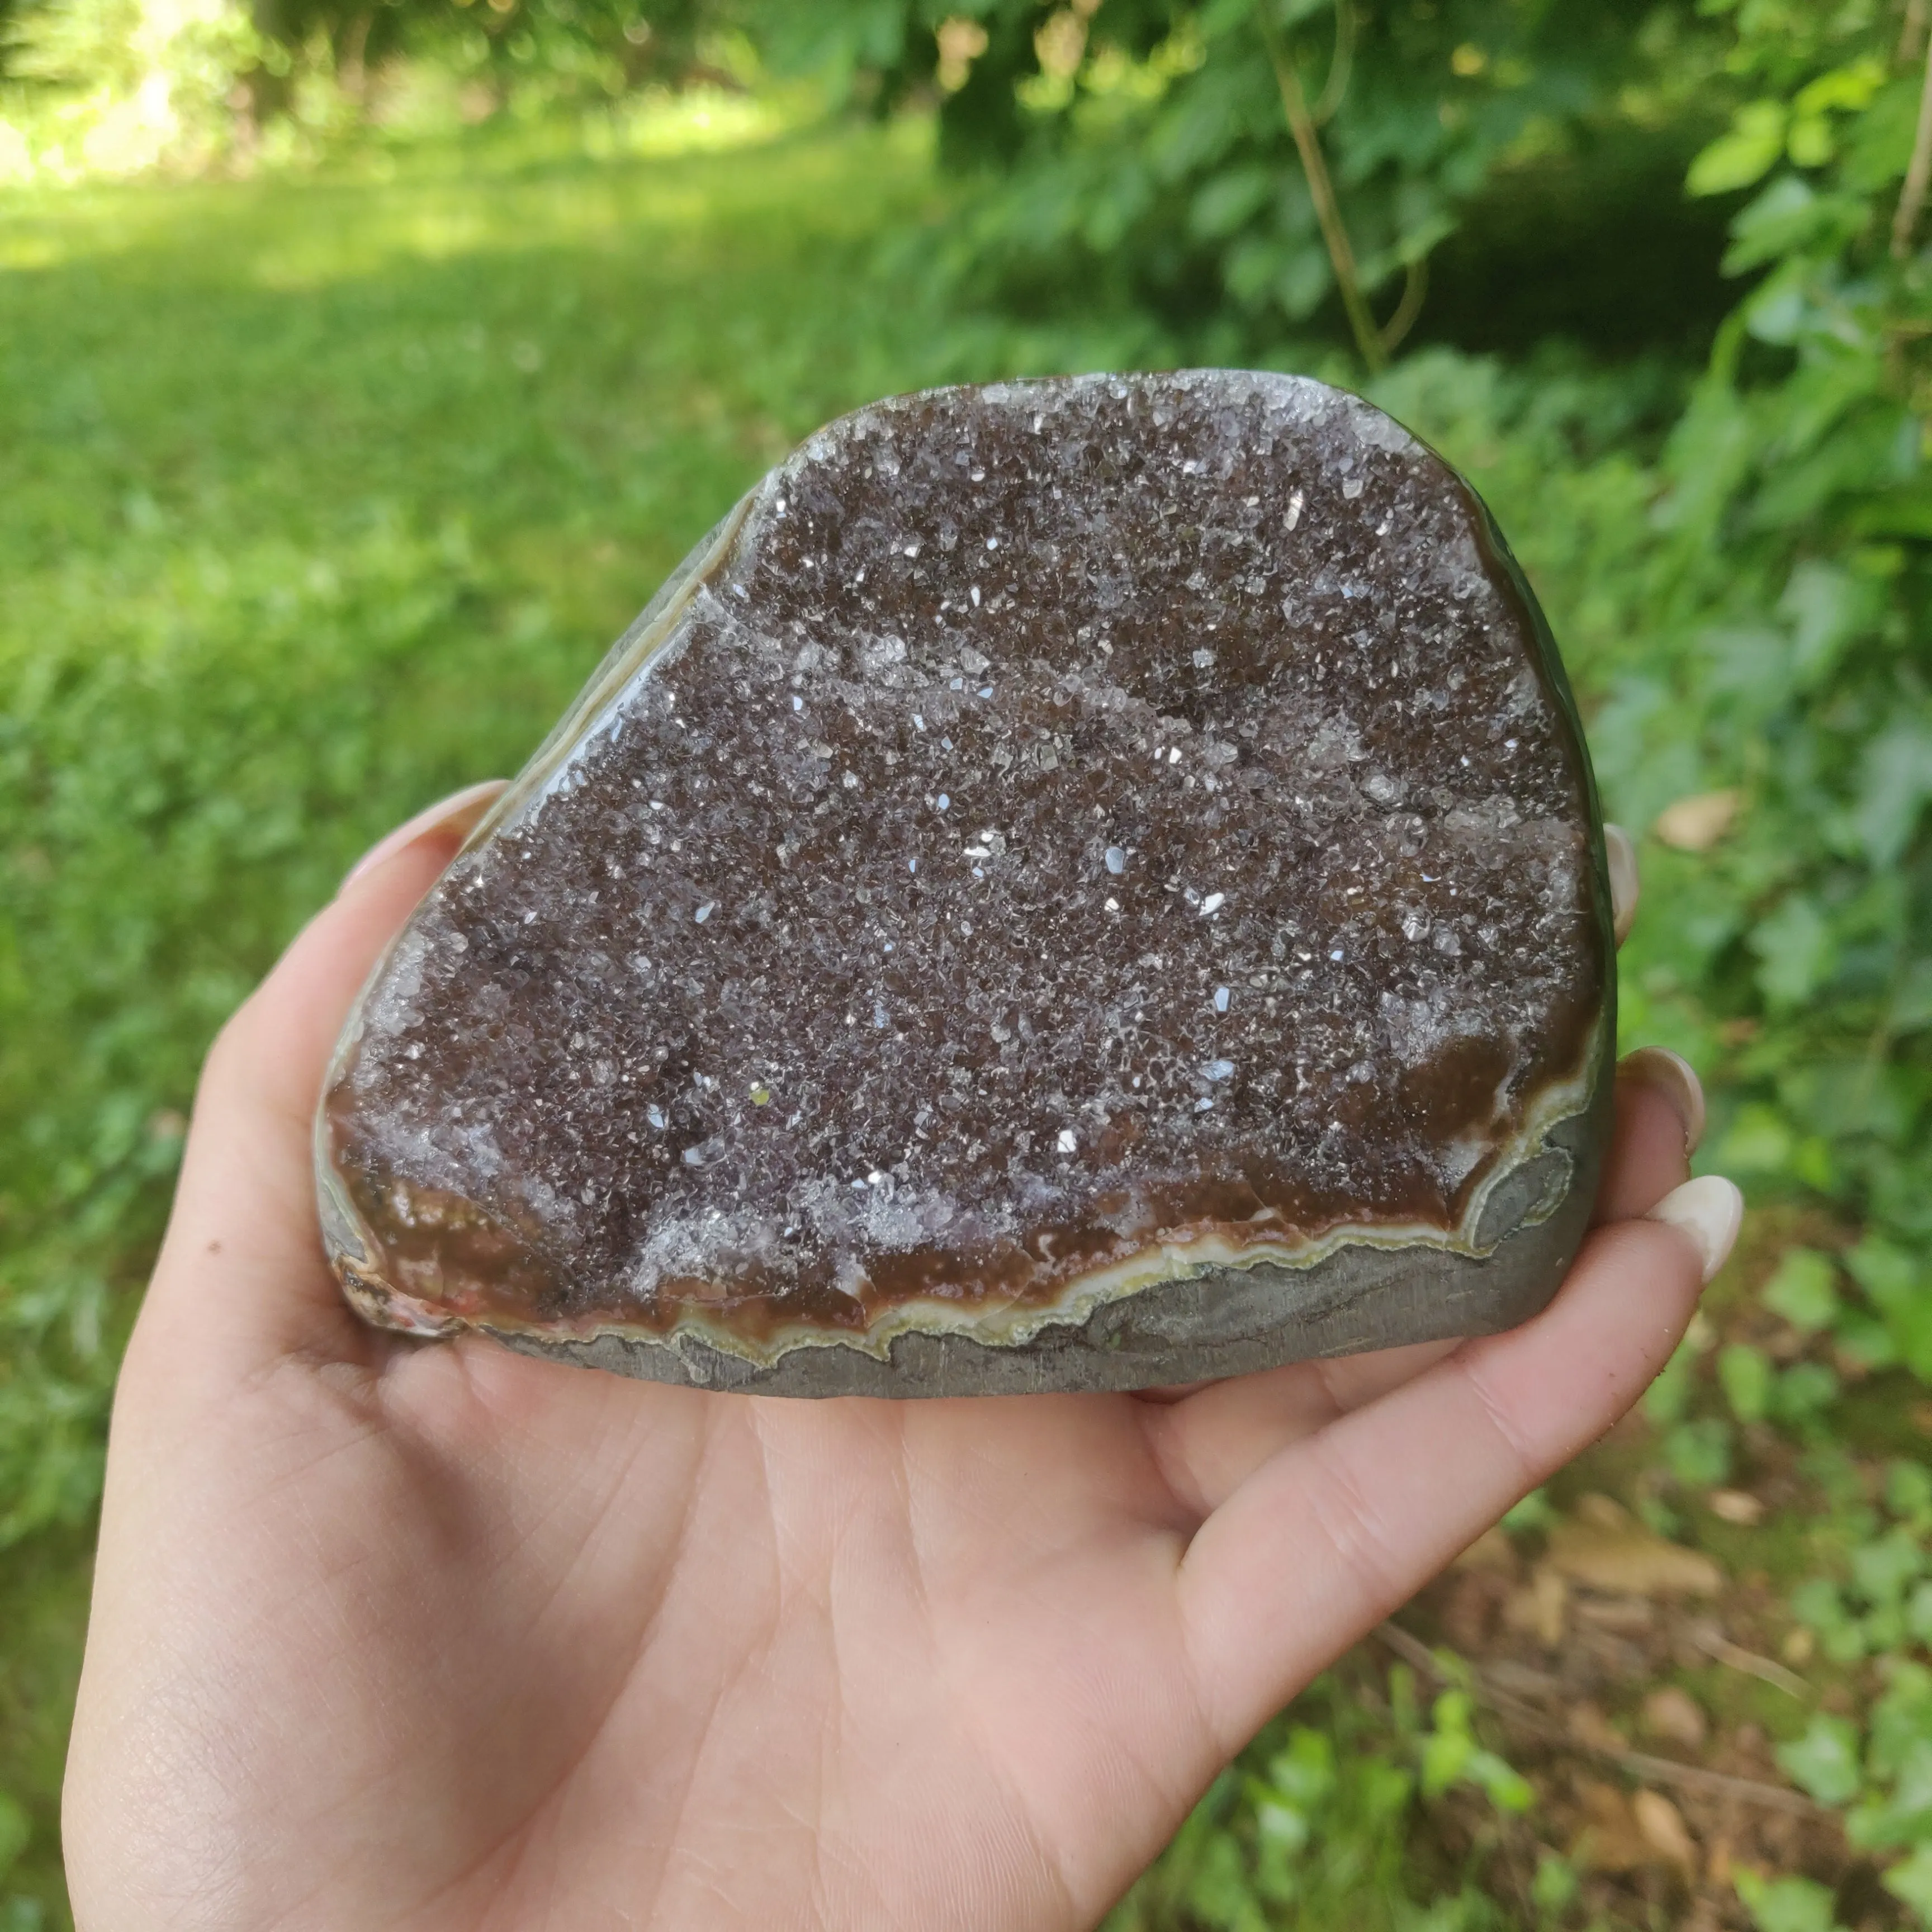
<point x="1676" y="1079"/>
<point x="459" y="810"/>
<point x="1624" y="887"/>
<point x="1710" y="1210"/>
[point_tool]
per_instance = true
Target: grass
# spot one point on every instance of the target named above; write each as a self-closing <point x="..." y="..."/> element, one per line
<point x="318" y="498"/>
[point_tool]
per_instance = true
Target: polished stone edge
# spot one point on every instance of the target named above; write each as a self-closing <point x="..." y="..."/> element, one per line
<point x="1367" y="1292"/>
<point x="1228" y="1321"/>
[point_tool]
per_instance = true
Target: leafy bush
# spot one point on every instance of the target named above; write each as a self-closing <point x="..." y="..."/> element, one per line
<point x="1311" y="1829"/>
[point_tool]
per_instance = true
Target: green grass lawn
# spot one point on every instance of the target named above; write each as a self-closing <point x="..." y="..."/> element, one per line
<point x="319" y="496"/>
<point x="317" y="500"/>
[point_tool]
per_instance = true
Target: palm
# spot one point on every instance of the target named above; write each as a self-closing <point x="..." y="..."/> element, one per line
<point x="473" y="1640"/>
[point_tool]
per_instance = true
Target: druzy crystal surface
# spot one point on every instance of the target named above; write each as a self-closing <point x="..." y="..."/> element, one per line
<point x="1072" y="884"/>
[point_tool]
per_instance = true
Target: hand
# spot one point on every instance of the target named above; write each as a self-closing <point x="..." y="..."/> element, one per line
<point x="392" y="1635"/>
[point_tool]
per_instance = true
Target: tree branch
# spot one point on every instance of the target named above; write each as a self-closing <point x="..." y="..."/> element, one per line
<point x="1414" y="289"/>
<point x="1375" y="344"/>
<point x="1342" y="63"/>
<point x="1918" y="173"/>
<point x="1321" y="192"/>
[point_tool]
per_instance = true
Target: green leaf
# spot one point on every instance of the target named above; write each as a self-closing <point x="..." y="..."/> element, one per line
<point x="1882" y="1568"/>
<point x="1533" y="1511"/>
<point x="1505" y="1786"/>
<point x="1699" y="1453"/>
<point x="1850" y="87"/>
<point x="1744" y="1375"/>
<point x="1918" y="1616"/>
<point x="1912" y="1881"/>
<point x="1897" y="781"/>
<point x="1809" y="143"/>
<point x="1744" y="154"/>
<point x="1223" y="16"/>
<point x="1554" y="1884"/>
<point x="1785" y="1904"/>
<point x="1825" y="1761"/>
<point x="1827" y="607"/>
<point x="1669" y="1396"/>
<point x="1891" y="1278"/>
<point x="1803" y="1392"/>
<point x="1901" y="1719"/>
<point x="1305" y="1772"/>
<point x="1229" y="201"/>
<point x="1802" y="1291"/>
<point x="1758" y="1141"/>
<point x="1908" y="1493"/>
<point x="1796" y="949"/>
<point x="1884" y="1270"/>
<point x="15" y="1830"/>
<point x="1817" y="1603"/>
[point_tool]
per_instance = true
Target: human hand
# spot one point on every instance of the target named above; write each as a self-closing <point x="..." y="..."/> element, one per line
<point x="389" y="1634"/>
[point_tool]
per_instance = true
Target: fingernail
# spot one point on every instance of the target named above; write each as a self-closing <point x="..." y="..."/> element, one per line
<point x="1624" y="888"/>
<point x="458" y="814"/>
<point x="1673" y="1076"/>
<point x="1710" y="1210"/>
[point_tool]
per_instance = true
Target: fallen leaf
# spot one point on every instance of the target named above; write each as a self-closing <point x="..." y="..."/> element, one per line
<point x="1537" y="1610"/>
<point x="1675" y="1715"/>
<point x="1607" y="1549"/>
<point x="1601" y="1511"/>
<point x="1662" y="1828"/>
<point x="1718" y="1869"/>
<point x="1610" y="1840"/>
<point x="1624" y="1614"/>
<point x="1737" y="1506"/>
<point x="1695" y="824"/>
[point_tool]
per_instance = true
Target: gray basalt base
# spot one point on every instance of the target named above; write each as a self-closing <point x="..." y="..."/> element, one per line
<point x="1229" y="1322"/>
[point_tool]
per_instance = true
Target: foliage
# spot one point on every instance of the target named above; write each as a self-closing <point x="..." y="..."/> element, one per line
<point x="314" y="494"/>
<point x="1310" y="1829"/>
<point x="1142" y="147"/>
<point x="117" y="86"/>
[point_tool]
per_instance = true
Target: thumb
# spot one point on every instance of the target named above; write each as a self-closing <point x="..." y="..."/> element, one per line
<point x="242" y="1281"/>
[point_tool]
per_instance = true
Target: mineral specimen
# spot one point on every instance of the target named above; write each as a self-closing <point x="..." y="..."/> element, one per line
<point x="1073" y="885"/>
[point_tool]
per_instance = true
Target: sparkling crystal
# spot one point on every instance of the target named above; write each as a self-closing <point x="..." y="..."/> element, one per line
<point x="1074" y="884"/>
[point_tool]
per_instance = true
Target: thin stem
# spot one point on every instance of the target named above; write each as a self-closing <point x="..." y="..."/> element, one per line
<point x="1910" y="33"/>
<point x="1321" y="192"/>
<point x="1415" y="289"/>
<point x="1918" y="173"/>
<point x="1341" y="64"/>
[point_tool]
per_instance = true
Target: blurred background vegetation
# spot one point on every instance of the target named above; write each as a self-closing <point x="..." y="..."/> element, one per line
<point x="364" y="365"/>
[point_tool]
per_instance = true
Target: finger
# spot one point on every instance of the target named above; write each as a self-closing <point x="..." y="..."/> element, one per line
<point x="1330" y="1535"/>
<point x="1660" y="1119"/>
<point x="241" y="1270"/>
<point x="1626" y="889"/>
<point x="1208" y="1444"/>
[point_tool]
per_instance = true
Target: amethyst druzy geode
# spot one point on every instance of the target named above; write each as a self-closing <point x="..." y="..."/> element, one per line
<point x="1075" y="884"/>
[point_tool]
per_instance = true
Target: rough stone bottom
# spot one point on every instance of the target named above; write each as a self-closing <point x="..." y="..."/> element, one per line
<point x="1228" y="1322"/>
